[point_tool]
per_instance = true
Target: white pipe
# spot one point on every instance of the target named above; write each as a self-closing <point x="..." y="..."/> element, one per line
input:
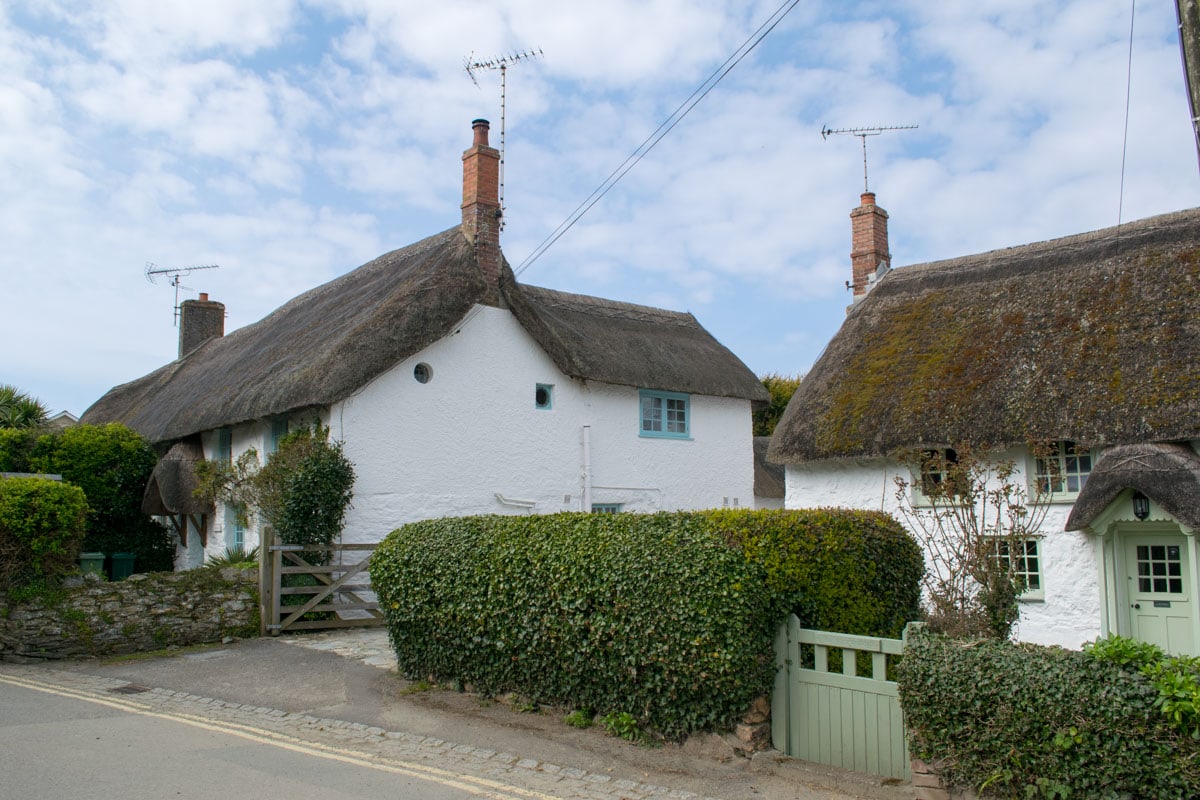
<point x="587" y="468"/>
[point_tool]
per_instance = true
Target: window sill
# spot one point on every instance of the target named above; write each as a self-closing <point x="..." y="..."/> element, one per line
<point x="664" y="437"/>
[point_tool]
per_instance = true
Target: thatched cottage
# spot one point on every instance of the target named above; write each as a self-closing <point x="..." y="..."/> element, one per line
<point x="1089" y="344"/>
<point x="455" y="390"/>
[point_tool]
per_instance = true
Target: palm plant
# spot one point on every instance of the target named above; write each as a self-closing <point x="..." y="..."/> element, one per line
<point x="19" y="410"/>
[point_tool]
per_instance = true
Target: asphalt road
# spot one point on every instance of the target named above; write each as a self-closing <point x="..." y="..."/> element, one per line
<point x="56" y="744"/>
<point x="270" y="699"/>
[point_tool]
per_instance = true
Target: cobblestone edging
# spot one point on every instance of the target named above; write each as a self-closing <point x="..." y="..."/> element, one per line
<point x="368" y="741"/>
<point x="143" y="612"/>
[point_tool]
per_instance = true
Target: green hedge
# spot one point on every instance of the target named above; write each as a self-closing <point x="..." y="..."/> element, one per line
<point x="1028" y="721"/>
<point x="842" y="570"/>
<point x="41" y="530"/>
<point x="669" y="617"/>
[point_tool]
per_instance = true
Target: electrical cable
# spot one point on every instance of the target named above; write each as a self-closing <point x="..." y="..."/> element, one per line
<point x="660" y="132"/>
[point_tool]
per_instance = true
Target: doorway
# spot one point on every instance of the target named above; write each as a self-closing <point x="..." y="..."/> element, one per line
<point x="1158" y="591"/>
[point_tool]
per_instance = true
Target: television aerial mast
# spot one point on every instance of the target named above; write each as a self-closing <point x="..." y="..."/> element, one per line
<point x="501" y="63"/>
<point x="863" y="133"/>
<point x="153" y="271"/>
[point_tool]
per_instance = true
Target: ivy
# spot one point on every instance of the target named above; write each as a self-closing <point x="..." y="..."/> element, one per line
<point x="1024" y="721"/>
<point x="668" y="618"/>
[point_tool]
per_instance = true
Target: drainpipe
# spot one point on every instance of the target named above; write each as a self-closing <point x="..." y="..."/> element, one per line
<point x="587" y="468"/>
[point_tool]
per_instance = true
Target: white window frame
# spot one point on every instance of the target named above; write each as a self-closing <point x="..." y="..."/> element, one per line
<point x="1035" y="580"/>
<point x="1071" y="478"/>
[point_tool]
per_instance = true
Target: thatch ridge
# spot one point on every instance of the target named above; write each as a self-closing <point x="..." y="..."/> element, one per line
<point x="1167" y="473"/>
<point x="1092" y="338"/>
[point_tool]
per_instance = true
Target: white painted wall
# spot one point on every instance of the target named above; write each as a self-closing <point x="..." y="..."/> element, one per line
<point x="1069" y="614"/>
<point x="472" y="435"/>
<point x="449" y="447"/>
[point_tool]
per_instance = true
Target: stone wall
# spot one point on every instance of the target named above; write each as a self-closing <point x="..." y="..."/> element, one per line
<point x="143" y="612"/>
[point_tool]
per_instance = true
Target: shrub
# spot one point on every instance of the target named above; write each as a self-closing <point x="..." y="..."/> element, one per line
<point x="112" y="464"/>
<point x="1029" y="721"/>
<point x="655" y="616"/>
<point x="840" y="570"/>
<point x="669" y="617"/>
<point x="41" y="530"/>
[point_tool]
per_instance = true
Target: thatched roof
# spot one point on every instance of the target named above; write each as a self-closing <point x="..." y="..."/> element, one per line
<point x="325" y="344"/>
<point x="769" y="478"/>
<point x="1093" y="338"/>
<point x="603" y="340"/>
<point x="172" y="485"/>
<point x="1169" y="474"/>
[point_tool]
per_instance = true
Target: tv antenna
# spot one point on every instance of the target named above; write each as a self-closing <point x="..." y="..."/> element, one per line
<point x="863" y="133"/>
<point x="501" y="63"/>
<point x="154" y="270"/>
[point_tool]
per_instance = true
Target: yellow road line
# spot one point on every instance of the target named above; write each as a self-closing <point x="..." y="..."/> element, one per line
<point x="483" y="787"/>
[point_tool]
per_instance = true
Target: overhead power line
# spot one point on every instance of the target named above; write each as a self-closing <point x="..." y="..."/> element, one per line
<point x="661" y="131"/>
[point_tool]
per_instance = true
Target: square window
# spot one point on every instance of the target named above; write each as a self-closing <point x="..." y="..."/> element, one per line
<point x="1024" y="562"/>
<point x="665" y="414"/>
<point x="1064" y="470"/>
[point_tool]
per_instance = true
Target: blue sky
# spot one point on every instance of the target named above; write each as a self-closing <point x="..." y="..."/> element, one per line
<point x="291" y="141"/>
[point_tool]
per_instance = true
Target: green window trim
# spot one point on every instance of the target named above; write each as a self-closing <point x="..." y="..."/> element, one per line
<point x="1025" y="564"/>
<point x="664" y="415"/>
<point x="1061" y="475"/>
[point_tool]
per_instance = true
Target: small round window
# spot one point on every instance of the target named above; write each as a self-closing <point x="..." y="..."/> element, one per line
<point x="423" y="372"/>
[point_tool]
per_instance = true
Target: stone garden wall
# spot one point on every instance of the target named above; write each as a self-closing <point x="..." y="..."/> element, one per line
<point x="144" y="612"/>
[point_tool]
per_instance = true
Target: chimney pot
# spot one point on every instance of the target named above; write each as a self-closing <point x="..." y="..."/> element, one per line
<point x="481" y="128"/>
<point x="868" y="198"/>
<point x="204" y="297"/>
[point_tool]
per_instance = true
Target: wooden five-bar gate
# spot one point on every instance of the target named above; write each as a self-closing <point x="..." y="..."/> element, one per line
<point x="337" y="595"/>
<point x="823" y="709"/>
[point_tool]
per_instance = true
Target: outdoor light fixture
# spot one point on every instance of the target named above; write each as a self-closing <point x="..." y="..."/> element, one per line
<point x="1141" y="506"/>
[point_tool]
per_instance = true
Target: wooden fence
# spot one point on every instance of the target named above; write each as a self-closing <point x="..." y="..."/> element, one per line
<point x="337" y="594"/>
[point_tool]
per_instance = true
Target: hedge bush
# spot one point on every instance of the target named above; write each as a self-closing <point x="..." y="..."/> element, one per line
<point x="112" y="464"/>
<point x="842" y="570"/>
<point x="1018" y="720"/>
<point x="654" y="615"/>
<point x="669" y="617"/>
<point x="41" y="530"/>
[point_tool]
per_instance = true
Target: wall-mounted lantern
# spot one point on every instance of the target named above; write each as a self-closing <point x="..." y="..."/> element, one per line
<point x="1141" y="506"/>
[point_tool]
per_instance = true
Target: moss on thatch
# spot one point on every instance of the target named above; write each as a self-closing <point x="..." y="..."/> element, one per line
<point x="1093" y="338"/>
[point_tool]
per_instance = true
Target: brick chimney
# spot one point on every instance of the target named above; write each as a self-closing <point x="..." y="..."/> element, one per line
<point x="481" y="207"/>
<point x="869" y="245"/>
<point x="199" y="321"/>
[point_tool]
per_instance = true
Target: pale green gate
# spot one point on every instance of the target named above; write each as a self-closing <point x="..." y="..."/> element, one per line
<point x="839" y="717"/>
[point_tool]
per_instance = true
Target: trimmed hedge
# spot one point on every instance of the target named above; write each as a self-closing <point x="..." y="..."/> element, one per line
<point x="670" y="617"/>
<point x="1019" y="720"/>
<point x="842" y="570"/>
<point x="41" y="530"/>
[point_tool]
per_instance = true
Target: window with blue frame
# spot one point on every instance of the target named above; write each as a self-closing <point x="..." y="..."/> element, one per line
<point x="224" y="445"/>
<point x="235" y="530"/>
<point x="665" y="414"/>
<point x="606" y="508"/>
<point x="279" y="429"/>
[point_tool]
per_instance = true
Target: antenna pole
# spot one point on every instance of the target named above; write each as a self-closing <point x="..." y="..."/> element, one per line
<point x="501" y="64"/>
<point x="173" y="275"/>
<point x="863" y="133"/>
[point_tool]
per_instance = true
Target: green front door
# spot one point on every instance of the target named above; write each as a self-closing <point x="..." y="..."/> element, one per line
<point x="1158" y="589"/>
